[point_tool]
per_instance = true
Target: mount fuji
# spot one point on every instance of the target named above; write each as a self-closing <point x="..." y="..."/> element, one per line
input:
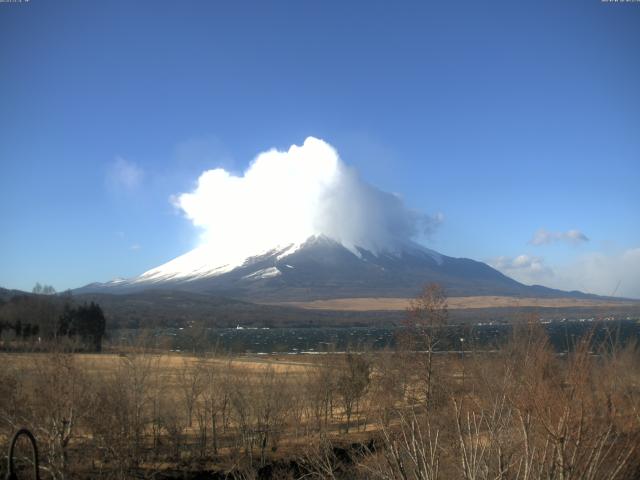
<point x="324" y="268"/>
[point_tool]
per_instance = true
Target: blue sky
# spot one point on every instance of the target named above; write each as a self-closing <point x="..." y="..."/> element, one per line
<point x="511" y="119"/>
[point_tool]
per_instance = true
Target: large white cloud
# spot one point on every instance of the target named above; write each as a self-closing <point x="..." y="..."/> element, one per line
<point x="285" y="197"/>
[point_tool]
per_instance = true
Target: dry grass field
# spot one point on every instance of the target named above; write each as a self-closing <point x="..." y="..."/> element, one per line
<point x="522" y="413"/>
<point x="395" y="304"/>
<point x="169" y="365"/>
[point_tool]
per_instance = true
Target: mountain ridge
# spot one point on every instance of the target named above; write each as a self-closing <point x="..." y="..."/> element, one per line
<point x="323" y="268"/>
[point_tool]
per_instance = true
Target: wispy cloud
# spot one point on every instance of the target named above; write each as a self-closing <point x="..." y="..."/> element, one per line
<point x="545" y="237"/>
<point x="605" y="274"/>
<point x="524" y="268"/>
<point x="123" y="174"/>
<point x="135" y="247"/>
<point x="429" y="224"/>
<point x="594" y="272"/>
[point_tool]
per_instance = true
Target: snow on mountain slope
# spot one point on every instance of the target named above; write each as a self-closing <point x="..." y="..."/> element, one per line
<point x="322" y="267"/>
<point x="202" y="262"/>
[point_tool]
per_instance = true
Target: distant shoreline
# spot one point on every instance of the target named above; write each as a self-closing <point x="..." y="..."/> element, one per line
<point x="461" y="303"/>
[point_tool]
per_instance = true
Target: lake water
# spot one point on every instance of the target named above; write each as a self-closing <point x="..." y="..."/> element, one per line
<point x="563" y="334"/>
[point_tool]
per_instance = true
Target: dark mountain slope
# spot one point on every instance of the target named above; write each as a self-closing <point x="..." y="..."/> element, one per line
<point x="323" y="268"/>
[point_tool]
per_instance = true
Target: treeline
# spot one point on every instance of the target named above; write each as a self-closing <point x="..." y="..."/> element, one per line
<point x="173" y="309"/>
<point x="45" y="319"/>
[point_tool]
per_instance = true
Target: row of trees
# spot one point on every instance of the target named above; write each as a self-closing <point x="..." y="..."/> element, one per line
<point x="49" y="319"/>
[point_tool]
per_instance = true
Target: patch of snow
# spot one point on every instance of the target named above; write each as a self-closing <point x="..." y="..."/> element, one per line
<point x="354" y="249"/>
<point x="288" y="251"/>
<point x="263" y="273"/>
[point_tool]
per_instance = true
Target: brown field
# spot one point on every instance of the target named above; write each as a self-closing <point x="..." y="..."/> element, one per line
<point x="372" y="415"/>
<point x="169" y="364"/>
<point x="396" y="304"/>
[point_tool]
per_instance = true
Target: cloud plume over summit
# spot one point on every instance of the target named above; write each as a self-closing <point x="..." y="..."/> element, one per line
<point x="285" y="197"/>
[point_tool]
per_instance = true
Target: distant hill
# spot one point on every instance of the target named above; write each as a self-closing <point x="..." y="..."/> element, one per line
<point x="6" y="294"/>
<point x="157" y="308"/>
<point x="161" y="308"/>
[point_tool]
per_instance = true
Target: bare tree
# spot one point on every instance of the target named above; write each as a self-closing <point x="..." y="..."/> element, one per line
<point x="410" y="451"/>
<point x="321" y="385"/>
<point x="126" y="409"/>
<point x="352" y="383"/>
<point x="191" y="384"/>
<point x="390" y="380"/>
<point x="426" y="315"/>
<point x="173" y="424"/>
<point x="270" y="404"/>
<point x="319" y="461"/>
<point x="216" y="395"/>
<point x="60" y="402"/>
